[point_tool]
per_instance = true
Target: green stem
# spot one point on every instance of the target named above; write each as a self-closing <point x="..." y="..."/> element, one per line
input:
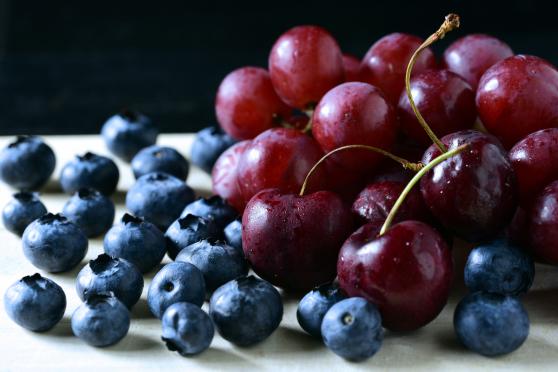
<point x="404" y="162"/>
<point x="413" y="182"/>
<point x="451" y="22"/>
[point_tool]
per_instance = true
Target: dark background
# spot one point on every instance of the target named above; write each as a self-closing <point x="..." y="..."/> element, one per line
<point x="66" y="66"/>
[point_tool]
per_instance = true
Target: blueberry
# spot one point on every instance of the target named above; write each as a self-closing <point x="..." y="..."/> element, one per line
<point x="491" y="324"/>
<point x="315" y="304"/>
<point x="188" y="230"/>
<point x="187" y="329"/>
<point x="499" y="267"/>
<point x="213" y="208"/>
<point x="27" y="163"/>
<point x="53" y="243"/>
<point x="137" y="241"/>
<point x="159" y="198"/>
<point x="92" y="171"/>
<point x="246" y="310"/>
<point x="208" y="145"/>
<point x="101" y="320"/>
<point x="352" y="329"/>
<point x="109" y="274"/>
<point x="160" y="159"/>
<point x="233" y="235"/>
<point x="92" y="211"/>
<point x="175" y="282"/>
<point x="128" y="132"/>
<point x="35" y="303"/>
<point x="21" y="210"/>
<point x="218" y="262"/>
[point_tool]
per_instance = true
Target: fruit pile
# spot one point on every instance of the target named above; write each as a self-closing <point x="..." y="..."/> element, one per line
<point x="347" y="180"/>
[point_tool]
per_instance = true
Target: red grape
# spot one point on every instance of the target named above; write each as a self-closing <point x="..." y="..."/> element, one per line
<point x="279" y="158"/>
<point x="352" y="67"/>
<point x="471" y="55"/>
<point x="543" y="225"/>
<point x="304" y="63"/>
<point x="518" y="96"/>
<point x="535" y="161"/>
<point x="375" y="201"/>
<point x="385" y="63"/>
<point x="445" y="100"/>
<point x="354" y="113"/>
<point x="474" y="193"/>
<point x="224" y="176"/>
<point x="247" y="104"/>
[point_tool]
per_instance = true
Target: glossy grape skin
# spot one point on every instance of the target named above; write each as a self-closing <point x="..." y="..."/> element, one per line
<point x="407" y="272"/>
<point x="304" y="63"/>
<point x="224" y="176"/>
<point x="279" y="158"/>
<point x="543" y="225"/>
<point x="247" y="104"/>
<point x="444" y="99"/>
<point x="352" y="67"/>
<point x="385" y="63"/>
<point x="474" y="193"/>
<point x="376" y="200"/>
<point x="471" y="55"/>
<point x="293" y="241"/>
<point x="355" y="113"/>
<point x="518" y="96"/>
<point x="535" y="161"/>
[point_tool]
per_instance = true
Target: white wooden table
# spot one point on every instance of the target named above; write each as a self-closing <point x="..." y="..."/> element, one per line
<point x="432" y="348"/>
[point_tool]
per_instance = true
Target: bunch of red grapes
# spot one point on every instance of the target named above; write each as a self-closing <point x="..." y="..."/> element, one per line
<point x="495" y="112"/>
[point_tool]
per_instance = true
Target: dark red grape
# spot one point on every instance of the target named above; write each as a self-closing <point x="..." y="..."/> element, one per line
<point x="279" y="158"/>
<point x="385" y="63"/>
<point x="354" y="113"/>
<point x="293" y="241"/>
<point x="352" y="67"/>
<point x="543" y="225"/>
<point x="376" y="200"/>
<point x="445" y="100"/>
<point x="471" y="55"/>
<point x="407" y="272"/>
<point x="518" y="96"/>
<point x="535" y="161"/>
<point x="247" y="104"/>
<point x="224" y="176"/>
<point x="304" y="63"/>
<point x="474" y="193"/>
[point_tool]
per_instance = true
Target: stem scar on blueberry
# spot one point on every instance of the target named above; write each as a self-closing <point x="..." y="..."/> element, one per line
<point x="451" y="22"/>
<point x="404" y="163"/>
<point x="414" y="180"/>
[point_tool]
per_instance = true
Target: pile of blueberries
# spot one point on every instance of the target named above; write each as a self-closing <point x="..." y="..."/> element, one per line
<point x="202" y="236"/>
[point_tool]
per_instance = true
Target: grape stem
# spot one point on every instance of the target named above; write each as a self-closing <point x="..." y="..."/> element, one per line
<point x="451" y="22"/>
<point x="404" y="162"/>
<point x="444" y="156"/>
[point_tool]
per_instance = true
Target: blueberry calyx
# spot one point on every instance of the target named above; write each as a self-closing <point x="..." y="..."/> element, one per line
<point x="187" y="221"/>
<point x="31" y="279"/>
<point x="128" y="218"/>
<point x="347" y="318"/>
<point x="24" y="196"/>
<point x="87" y="193"/>
<point x="246" y="280"/>
<point x="101" y="263"/>
<point x="97" y="298"/>
<point x="129" y="115"/>
<point x="171" y="345"/>
<point x="19" y="140"/>
<point x="50" y="218"/>
<point x="88" y="156"/>
<point x="158" y="176"/>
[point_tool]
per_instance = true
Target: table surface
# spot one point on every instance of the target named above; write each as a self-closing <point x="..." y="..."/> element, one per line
<point x="289" y="348"/>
